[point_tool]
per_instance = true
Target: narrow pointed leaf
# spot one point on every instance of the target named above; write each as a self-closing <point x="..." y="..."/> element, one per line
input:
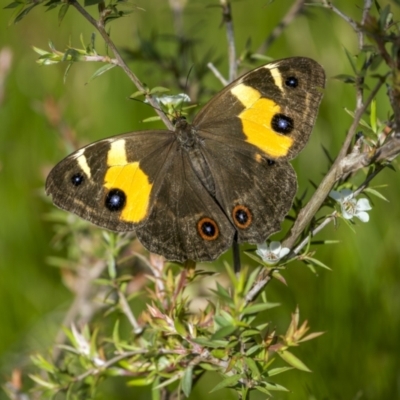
<point x="292" y="360"/>
<point x="187" y="380"/>
<point x="256" y="308"/>
<point x="228" y="382"/>
<point x="101" y="71"/>
<point x="62" y="12"/>
<point x="276" y="371"/>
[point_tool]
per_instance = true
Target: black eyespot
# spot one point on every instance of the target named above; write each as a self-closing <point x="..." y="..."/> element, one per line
<point x="207" y="229"/>
<point x="292" y="82"/>
<point x="77" y="179"/>
<point x="270" y="162"/>
<point x="115" y="200"/>
<point x="242" y="216"/>
<point x="282" y="123"/>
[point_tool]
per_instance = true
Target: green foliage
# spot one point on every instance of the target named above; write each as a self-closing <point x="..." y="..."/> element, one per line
<point x="173" y="342"/>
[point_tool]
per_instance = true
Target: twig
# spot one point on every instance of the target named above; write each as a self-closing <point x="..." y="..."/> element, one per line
<point x="137" y="329"/>
<point x="335" y="173"/>
<point x="349" y="20"/>
<point x="217" y="74"/>
<point x="318" y="229"/>
<point x="227" y="17"/>
<point x="263" y="279"/>
<point x="99" y="25"/>
<point x="360" y="33"/>
<point x="177" y="7"/>
<point x="292" y="13"/>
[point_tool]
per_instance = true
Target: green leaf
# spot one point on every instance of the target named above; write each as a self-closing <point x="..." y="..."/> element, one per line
<point x="250" y="332"/>
<point x="253" y="349"/>
<point x="376" y="193"/>
<point x="276" y="371"/>
<point x="256" y="308"/>
<point x="159" y="89"/>
<point x="345" y="78"/>
<point x="262" y="390"/>
<point x="373" y="117"/>
<point x="14" y="4"/>
<point x="101" y="71"/>
<point x="67" y="71"/>
<point x="187" y="380"/>
<point x="138" y="94"/>
<point x="318" y="263"/>
<point x="292" y="360"/>
<point x="140" y="381"/>
<point x="42" y="363"/>
<point x="384" y="17"/>
<point x="151" y="119"/>
<point x="223" y="332"/>
<point x="213" y="344"/>
<point x="24" y="13"/>
<point x="227" y="382"/>
<point x="252" y="367"/>
<point x="275" y="386"/>
<point x="61" y="13"/>
<point x="208" y="367"/>
<point x="350" y="57"/>
<point x="180" y="327"/>
<point x="42" y="382"/>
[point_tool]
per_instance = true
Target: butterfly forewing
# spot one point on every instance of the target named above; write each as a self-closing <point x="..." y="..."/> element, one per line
<point x="273" y="108"/>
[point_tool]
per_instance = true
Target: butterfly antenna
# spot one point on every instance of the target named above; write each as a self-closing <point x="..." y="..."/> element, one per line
<point x="187" y="78"/>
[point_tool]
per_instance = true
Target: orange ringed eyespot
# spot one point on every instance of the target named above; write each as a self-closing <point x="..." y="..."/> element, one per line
<point x="207" y="229"/>
<point x="242" y="216"/>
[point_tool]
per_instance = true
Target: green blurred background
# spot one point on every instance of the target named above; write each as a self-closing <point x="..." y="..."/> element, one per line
<point x="357" y="304"/>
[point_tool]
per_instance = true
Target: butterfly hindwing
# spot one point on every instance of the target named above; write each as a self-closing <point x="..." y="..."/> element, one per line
<point x="185" y="222"/>
<point x="255" y="198"/>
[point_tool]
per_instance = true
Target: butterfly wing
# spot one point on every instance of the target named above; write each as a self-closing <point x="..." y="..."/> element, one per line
<point x="143" y="181"/>
<point x="112" y="182"/>
<point x="249" y="131"/>
<point x="272" y="108"/>
<point x="255" y="193"/>
<point x="185" y="221"/>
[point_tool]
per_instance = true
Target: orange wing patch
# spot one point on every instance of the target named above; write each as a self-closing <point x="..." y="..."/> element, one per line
<point x="256" y="120"/>
<point x="128" y="177"/>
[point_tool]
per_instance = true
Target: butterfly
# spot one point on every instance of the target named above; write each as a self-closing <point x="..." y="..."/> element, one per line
<point x="189" y="193"/>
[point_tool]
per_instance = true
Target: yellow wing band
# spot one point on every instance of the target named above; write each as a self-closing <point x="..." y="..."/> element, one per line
<point x="256" y="120"/>
<point x="130" y="178"/>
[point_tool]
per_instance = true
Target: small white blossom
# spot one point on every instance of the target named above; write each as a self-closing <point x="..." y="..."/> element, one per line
<point x="83" y="347"/>
<point x="272" y="253"/>
<point x="350" y="206"/>
<point x="172" y="100"/>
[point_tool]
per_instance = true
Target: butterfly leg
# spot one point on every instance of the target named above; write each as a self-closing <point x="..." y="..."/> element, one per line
<point x="236" y="255"/>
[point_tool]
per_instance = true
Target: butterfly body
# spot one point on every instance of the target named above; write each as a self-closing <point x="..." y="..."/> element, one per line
<point x="187" y="193"/>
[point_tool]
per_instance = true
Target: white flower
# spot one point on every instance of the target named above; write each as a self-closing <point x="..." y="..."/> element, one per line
<point x="83" y="347"/>
<point x="273" y="253"/>
<point x="172" y="100"/>
<point x="350" y="206"/>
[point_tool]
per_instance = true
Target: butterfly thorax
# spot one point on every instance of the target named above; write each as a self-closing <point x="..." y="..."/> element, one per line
<point x="185" y="134"/>
<point x="191" y="144"/>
